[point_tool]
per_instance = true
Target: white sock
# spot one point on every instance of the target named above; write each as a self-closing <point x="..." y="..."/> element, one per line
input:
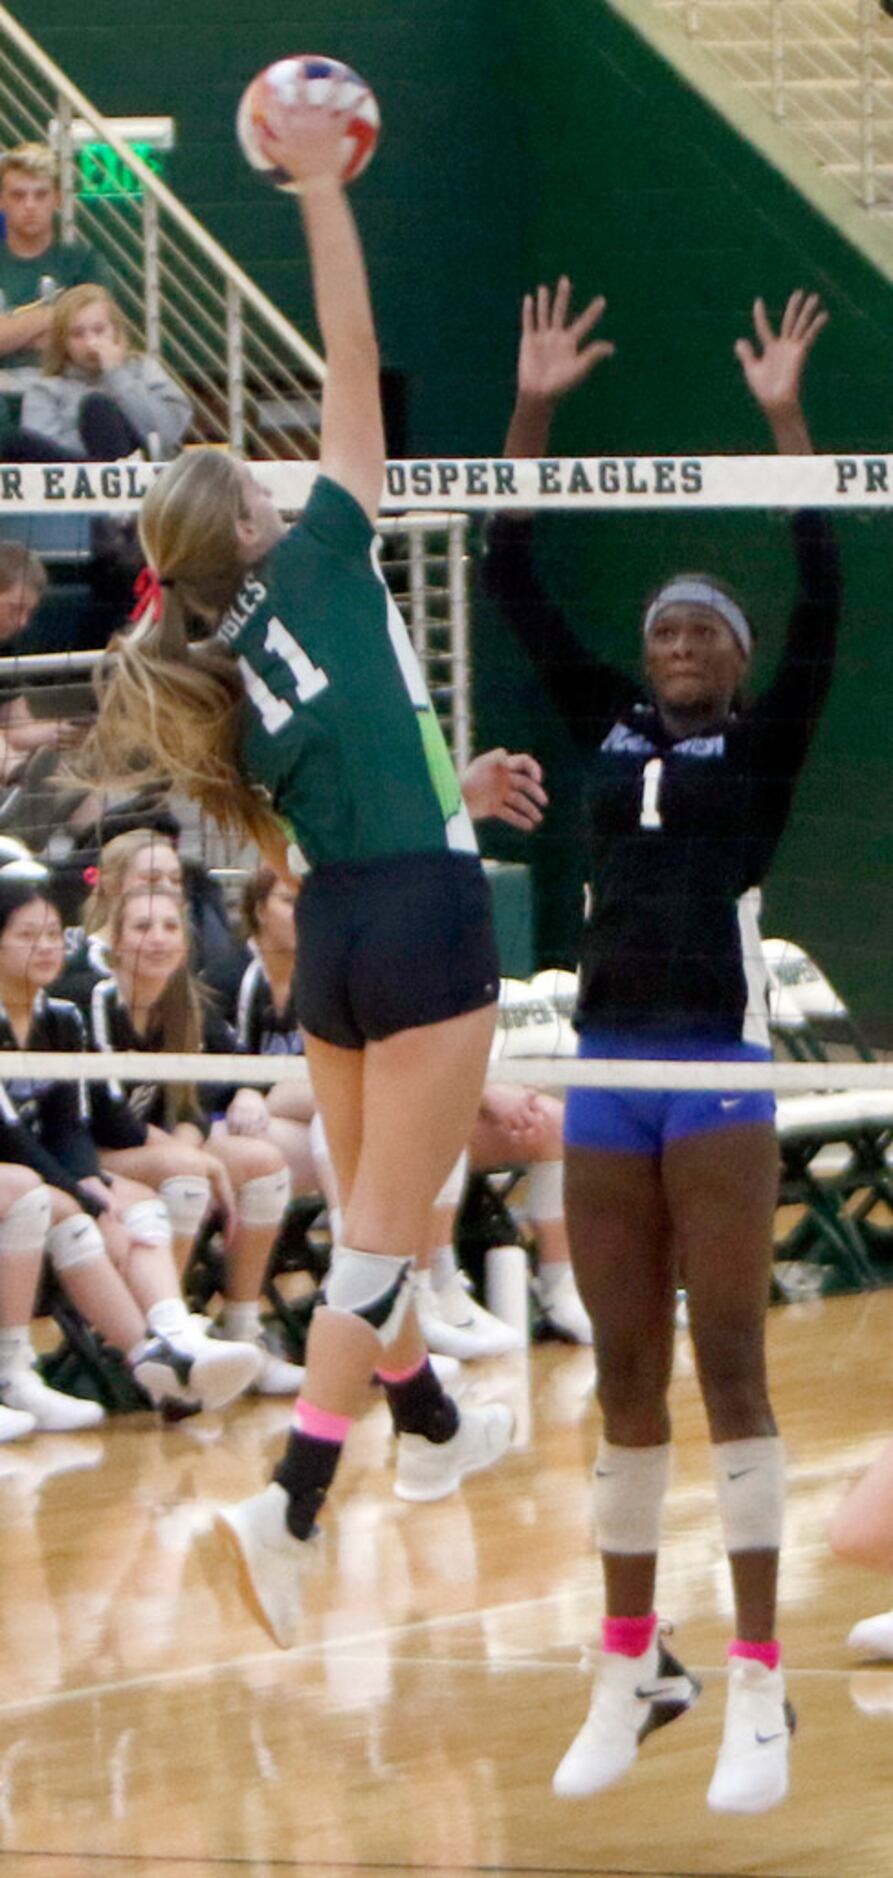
<point x="443" y="1267"/>
<point x="241" y="1322"/>
<point x="551" y="1276"/>
<point x="15" y="1344"/>
<point x="167" y="1317"/>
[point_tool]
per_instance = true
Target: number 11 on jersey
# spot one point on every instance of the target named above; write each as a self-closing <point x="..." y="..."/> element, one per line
<point x="309" y="679"/>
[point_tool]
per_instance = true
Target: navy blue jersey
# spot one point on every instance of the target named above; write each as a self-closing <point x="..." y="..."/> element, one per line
<point x="45" y="1124"/>
<point x="680" y="831"/>
<point x="260" y="1028"/>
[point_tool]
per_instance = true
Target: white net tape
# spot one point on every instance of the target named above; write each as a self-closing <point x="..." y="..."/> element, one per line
<point x="483" y="483"/>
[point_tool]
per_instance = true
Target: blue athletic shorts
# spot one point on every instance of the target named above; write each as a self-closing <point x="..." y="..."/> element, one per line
<point x="644" y="1121"/>
<point x="386" y="945"/>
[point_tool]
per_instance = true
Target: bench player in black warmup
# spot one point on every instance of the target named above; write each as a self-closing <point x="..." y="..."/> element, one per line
<point x="301" y="718"/>
<point x="687" y="792"/>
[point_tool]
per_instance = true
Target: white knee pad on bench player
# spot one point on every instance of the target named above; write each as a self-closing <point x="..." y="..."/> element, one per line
<point x="149" y="1222"/>
<point x="25" y="1224"/>
<point x="370" y="1285"/>
<point x="186" y="1198"/>
<point x="545" y="1192"/>
<point x="75" y="1241"/>
<point x="262" y="1201"/>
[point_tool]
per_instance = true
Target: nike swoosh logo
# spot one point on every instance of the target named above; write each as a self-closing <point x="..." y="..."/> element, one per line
<point x="741" y="1473"/>
<point x="604" y="1473"/>
<point x="730" y="1102"/>
<point x="674" y="1690"/>
<point x="764" y="1740"/>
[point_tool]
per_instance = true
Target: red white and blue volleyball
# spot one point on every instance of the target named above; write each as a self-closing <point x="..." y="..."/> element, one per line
<point x="309" y="78"/>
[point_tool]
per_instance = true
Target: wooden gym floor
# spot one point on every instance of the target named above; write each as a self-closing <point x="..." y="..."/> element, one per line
<point x="149" y="1729"/>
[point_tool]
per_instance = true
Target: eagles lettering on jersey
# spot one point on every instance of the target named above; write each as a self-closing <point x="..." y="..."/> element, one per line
<point x="340" y="729"/>
<point x="679" y="832"/>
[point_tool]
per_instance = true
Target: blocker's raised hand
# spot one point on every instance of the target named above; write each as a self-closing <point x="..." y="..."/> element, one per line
<point x="774" y="372"/>
<point x="553" y="356"/>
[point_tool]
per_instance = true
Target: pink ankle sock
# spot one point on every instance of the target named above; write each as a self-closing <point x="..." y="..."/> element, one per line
<point x="768" y="1653"/>
<point x="628" y="1636"/>
<point x="402" y="1375"/>
<point x="320" y="1423"/>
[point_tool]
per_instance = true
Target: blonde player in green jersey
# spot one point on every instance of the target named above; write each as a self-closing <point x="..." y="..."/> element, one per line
<point x="275" y="682"/>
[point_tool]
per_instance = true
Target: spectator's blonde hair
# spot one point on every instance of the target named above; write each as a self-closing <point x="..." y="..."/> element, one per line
<point x="35" y="159"/>
<point x="64" y="314"/>
<point x="21" y="569"/>
<point x="115" y="861"/>
<point x="170" y="711"/>
<point x="176" y="1020"/>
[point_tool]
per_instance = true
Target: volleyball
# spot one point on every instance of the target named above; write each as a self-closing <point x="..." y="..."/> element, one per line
<point x="311" y="79"/>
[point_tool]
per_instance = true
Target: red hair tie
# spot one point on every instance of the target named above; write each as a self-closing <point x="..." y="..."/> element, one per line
<point x="90" y="876"/>
<point x="148" y="594"/>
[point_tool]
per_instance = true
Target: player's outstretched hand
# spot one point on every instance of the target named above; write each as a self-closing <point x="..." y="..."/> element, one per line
<point x="556" y="353"/>
<point x="304" y="138"/>
<point x="506" y="788"/>
<point x="774" y="372"/>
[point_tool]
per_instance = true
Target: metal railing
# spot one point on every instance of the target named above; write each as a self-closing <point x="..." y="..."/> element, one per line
<point x="823" y="68"/>
<point x="253" y="381"/>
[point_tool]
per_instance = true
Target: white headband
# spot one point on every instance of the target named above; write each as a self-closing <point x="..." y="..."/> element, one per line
<point x="688" y="591"/>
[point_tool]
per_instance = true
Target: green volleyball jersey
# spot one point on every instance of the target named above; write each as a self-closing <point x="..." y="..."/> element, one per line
<point x="339" y="727"/>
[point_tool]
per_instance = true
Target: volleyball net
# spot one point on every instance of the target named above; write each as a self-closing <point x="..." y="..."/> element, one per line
<point x="666" y="512"/>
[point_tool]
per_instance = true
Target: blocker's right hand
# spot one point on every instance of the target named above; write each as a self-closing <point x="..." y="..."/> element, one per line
<point x="552" y="357"/>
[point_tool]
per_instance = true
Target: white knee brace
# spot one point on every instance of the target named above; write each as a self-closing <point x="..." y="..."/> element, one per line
<point x="454" y="1186"/>
<point x="74" y="1242"/>
<point x="149" y="1222"/>
<point x="750" y="1479"/>
<point x="25" y="1224"/>
<point x="186" y="1198"/>
<point x="319" y="1146"/>
<point x="629" y="1487"/>
<point x="372" y="1286"/>
<point x="545" y="1192"/>
<point x="263" y="1201"/>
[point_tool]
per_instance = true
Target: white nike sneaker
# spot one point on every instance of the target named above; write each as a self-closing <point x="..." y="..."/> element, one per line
<point x="872" y="1637"/>
<point x="14" y="1424"/>
<point x="454" y="1324"/>
<point x="751" y="1772"/>
<point x="632" y="1696"/>
<point x="189" y="1369"/>
<point x="276" y="1376"/>
<point x="563" y="1313"/>
<point x="50" y="1409"/>
<point x="272" y="1560"/>
<point x="431" y="1470"/>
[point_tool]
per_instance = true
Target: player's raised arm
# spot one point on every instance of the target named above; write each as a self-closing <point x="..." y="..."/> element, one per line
<point x="773" y="369"/>
<point x="306" y="141"/>
<point x="556" y="353"/>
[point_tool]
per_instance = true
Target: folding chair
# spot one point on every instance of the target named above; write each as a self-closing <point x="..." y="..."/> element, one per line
<point x="835" y="1147"/>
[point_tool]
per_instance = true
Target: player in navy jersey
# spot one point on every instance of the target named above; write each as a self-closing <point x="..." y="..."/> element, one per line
<point x="301" y="718"/>
<point x="687" y="792"/>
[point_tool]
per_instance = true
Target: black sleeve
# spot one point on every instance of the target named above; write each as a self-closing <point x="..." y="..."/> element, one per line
<point x="112" y="1120"/>
<point x="783" y="720"/>
<point x="219" y="1039"/>
<point x="588" y="693"/>
<point x="19" y="1145"/>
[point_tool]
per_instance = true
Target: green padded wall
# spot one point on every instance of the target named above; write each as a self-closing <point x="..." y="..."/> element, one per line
<point x="523" y="139"/>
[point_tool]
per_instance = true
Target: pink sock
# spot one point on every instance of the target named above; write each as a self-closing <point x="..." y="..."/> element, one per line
<point x="628" y="1636"/>
<point x="402" y="1375"/>
<point x="319" y="1423"/>
<point x="768" y="1653"/>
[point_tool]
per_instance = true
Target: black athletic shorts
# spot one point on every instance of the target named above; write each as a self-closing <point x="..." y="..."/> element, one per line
<point x="389" y="944"/>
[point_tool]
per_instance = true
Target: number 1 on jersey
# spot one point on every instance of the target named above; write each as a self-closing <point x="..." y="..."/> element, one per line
<point x="309" y="679"/>
<point x="650" y="816"/>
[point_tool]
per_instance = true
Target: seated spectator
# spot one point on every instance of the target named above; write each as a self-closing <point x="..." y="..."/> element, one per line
<point x="159" y="1133"/>
<point x="143" y="853"/>
<point x="36" y="264"/>
<point x="97" y="399"/>
<point x="109" y="1240"/>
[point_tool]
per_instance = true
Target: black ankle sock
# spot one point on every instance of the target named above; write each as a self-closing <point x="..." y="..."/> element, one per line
<point x="306" y="1471"/>
<point x="420" y="1406"/>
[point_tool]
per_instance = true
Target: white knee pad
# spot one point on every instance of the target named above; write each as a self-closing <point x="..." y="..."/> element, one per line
<point x="545" y="1192"/>
<point x="186" y="1198"/>
<point x="372" y="1286"/>
<point x="629" y="1488"/>
<point x="149" y="1222"/>
<point x="750" y="1480"/>
<point x="319" y="1146"/>
<point x="25" y="1224"/>
<point x="263" y="1201"/>
<point x="454" y="1186"/>
<point x="75" y="1241"/>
